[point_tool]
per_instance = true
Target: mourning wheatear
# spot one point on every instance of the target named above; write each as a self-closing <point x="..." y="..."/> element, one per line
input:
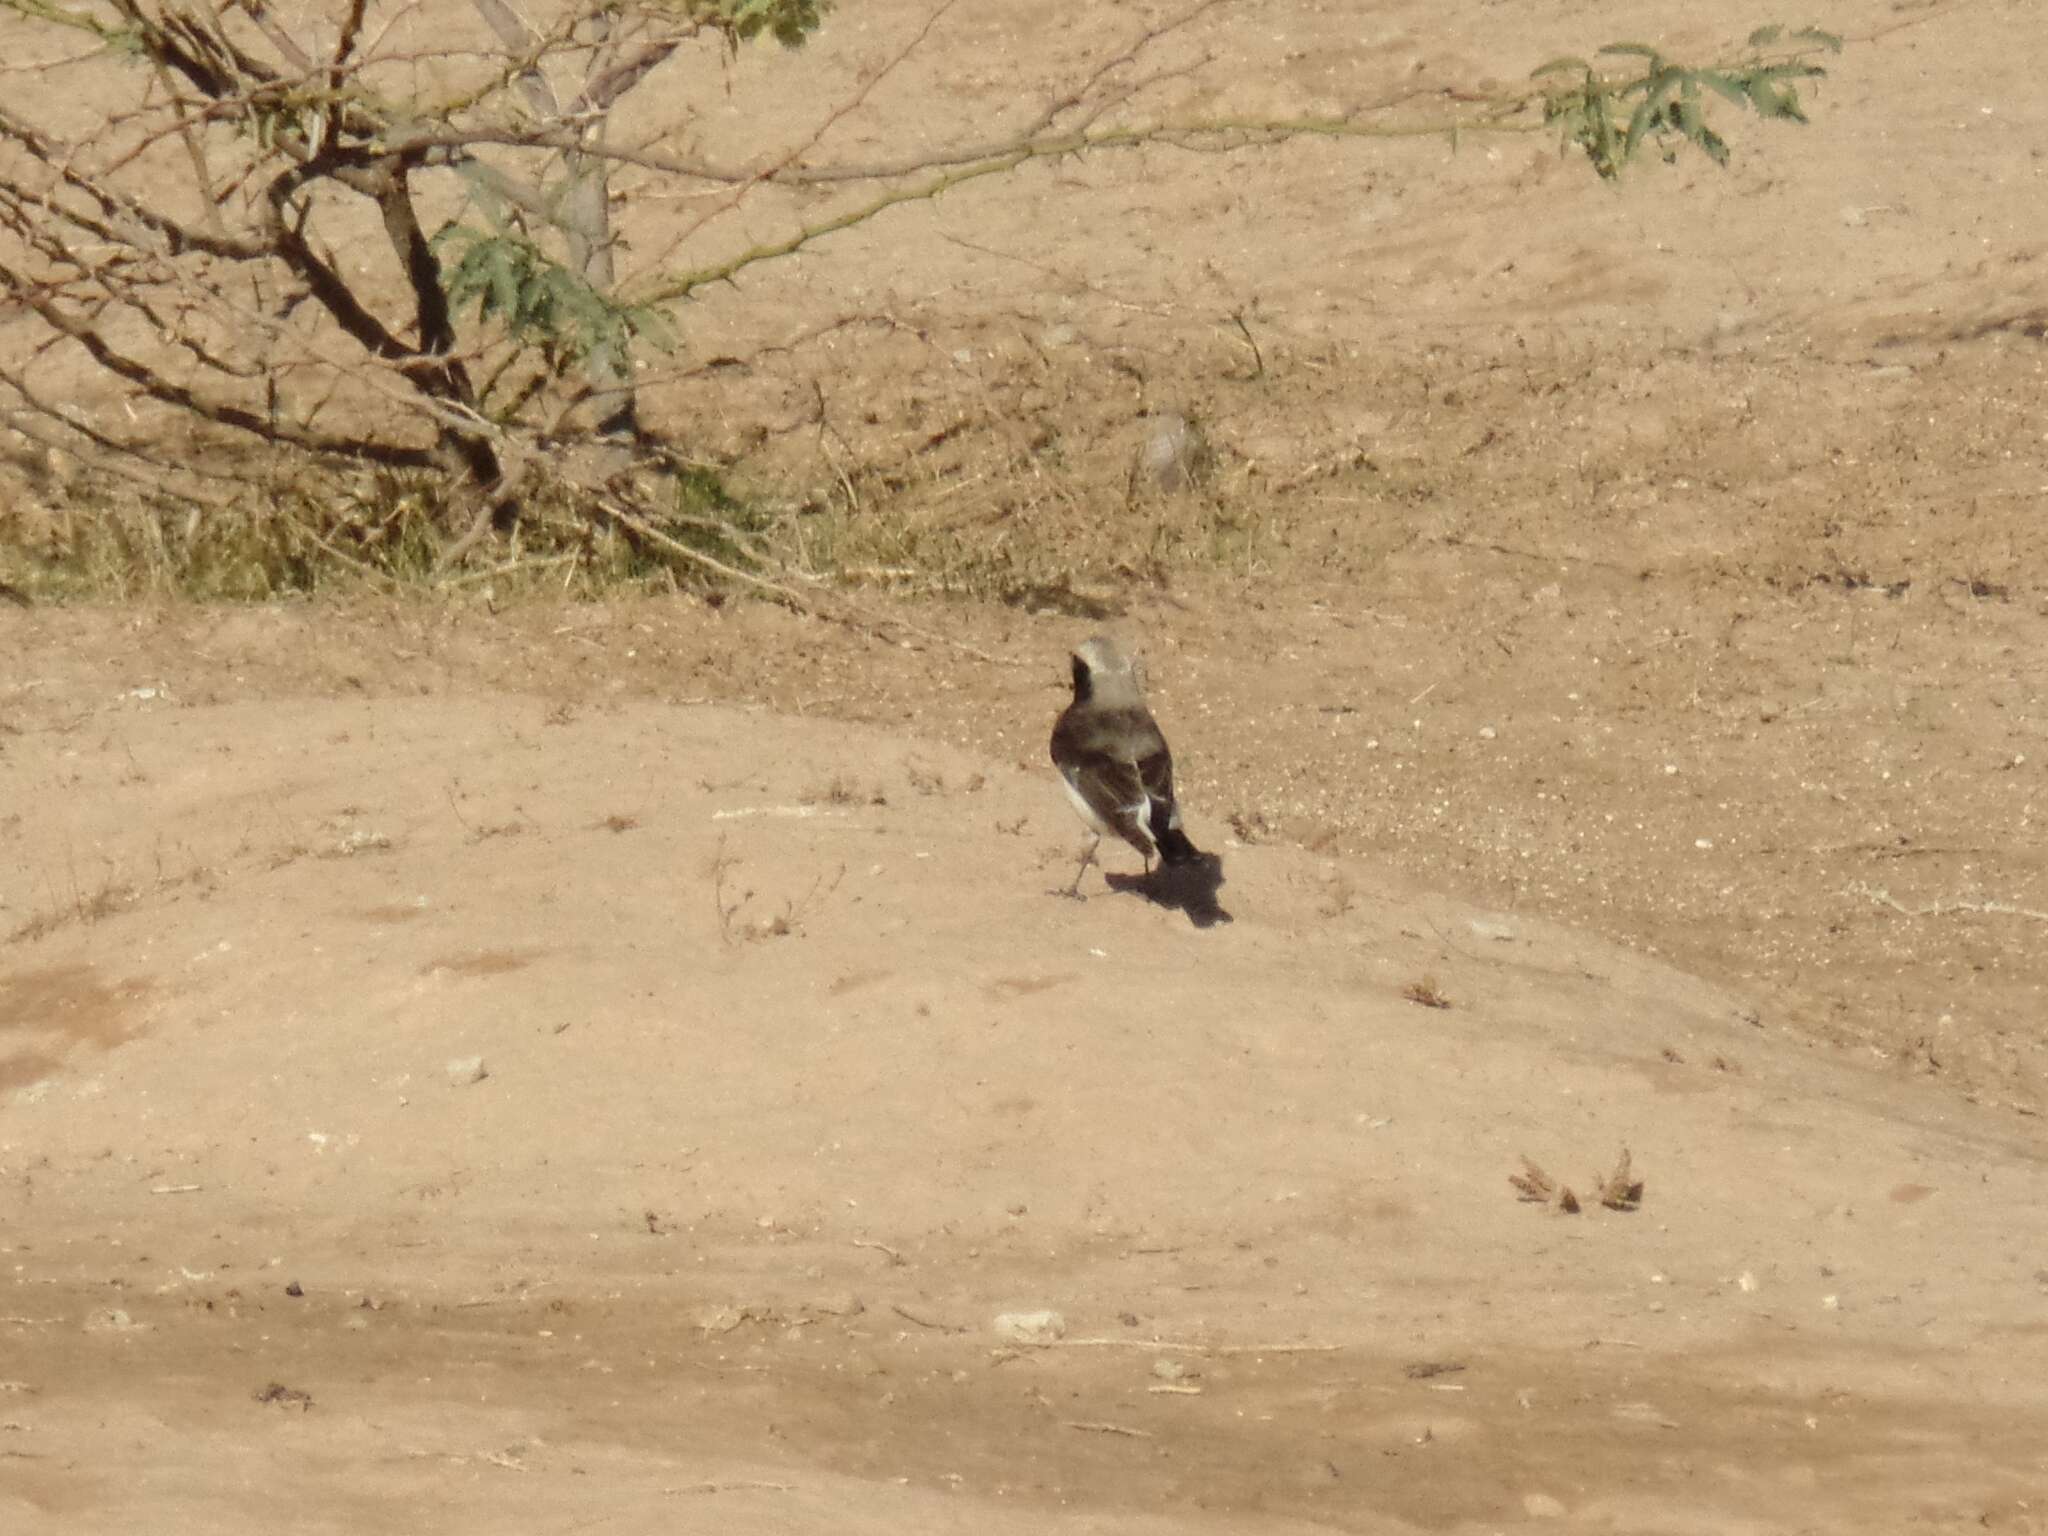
<point x="1113" y="760"/>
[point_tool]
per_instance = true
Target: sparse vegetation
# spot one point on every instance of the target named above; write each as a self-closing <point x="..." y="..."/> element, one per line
<point x="1619" y="1190"/>
<point x="1612" y="117"/>
<point x="392" y="348"/>
<point x="1426" y="993"/>
<point x="787" y="919"/>
<point x="1539" y="1188"/>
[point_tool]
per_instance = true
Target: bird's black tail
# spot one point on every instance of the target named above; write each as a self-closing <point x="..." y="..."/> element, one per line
<point x="1174" y="847"/>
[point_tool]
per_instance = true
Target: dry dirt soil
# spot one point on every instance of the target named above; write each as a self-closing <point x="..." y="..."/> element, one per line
<point x="476" y="1067"/>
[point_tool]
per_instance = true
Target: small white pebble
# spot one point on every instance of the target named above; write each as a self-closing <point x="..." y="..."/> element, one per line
<point x="464" y="1070"/>
<point x="1043" y="1327"/>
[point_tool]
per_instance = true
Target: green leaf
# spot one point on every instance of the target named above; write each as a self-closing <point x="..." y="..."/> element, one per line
<point x="1647" y="116"/>
<point x="502" y="291"/>
<point x="1763" y="37"/>
<point x="789" y="22"/>
<point x="1637" y="50"/>
<point x="540" y="303"/>
<point x="1603" y="138"/>
<point x="1791" y="72"/>
<point x="1643" y="119"/>
<point x="1689" y="120"/>
<point x="1828" y="40"/>
<point x="1722" y="85"/>
<point x="1770" y="102"/>
<point x="1559" y="65"/>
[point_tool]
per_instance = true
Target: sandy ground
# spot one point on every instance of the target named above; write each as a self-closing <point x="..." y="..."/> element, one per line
<point x="796" y="1078"/>
<point x="609" y="1068"/>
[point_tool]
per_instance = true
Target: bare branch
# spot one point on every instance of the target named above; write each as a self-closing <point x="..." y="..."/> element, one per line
<point x="177" y="236"/>
<point x="165" y="469"/>
<point x="345" y="44"/>
<point x="280" y="39"/>
<point x="605" y="89"/>
<point x="157" y="387"/>
<point x="526" y="44"/>
<point x="1214" y="135"/>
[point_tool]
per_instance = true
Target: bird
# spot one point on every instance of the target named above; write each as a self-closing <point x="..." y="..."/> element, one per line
<point x="1113" y="760"/>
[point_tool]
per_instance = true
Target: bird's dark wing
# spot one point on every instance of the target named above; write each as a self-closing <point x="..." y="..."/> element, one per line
<point x="1155" y="772"/>
<point x="1117" y="762"/>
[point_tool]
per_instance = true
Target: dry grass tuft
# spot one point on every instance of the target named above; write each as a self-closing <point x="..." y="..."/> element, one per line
<point x="1619" y="1190"/>
<point x="1426" y="993"/>
<point x="1539" y="1188"/>
<point x="291" y="527"/>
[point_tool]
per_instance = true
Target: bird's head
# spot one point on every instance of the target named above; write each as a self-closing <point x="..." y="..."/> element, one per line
<point x="1105" y="671"/>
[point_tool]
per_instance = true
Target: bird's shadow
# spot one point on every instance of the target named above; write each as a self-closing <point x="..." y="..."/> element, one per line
<point x="1189" y="888"/>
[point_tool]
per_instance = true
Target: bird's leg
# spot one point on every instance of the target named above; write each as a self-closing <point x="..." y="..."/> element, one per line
<point x="1087" y="858"/>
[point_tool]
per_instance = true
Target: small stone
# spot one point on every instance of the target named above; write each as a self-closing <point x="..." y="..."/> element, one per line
<point x="295" y="1289"/>
<point x="1043" y="1327"/>
<point x="464" y="1070"/>
<point x="718" y="1319"/>
<point x="1169" y="1370"/>
<point x="110" y="1320"/>
<point x="1174" y="455"/>
<point x="1746" y="1281"/>
<point x="1487" y="733"/>
<point x="1541" y="1506"/>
